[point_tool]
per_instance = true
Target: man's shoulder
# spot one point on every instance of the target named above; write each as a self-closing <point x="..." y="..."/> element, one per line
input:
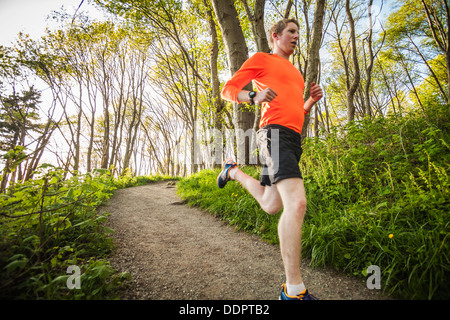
<point x="260" y="59"/>
<point x="261" y="55"/>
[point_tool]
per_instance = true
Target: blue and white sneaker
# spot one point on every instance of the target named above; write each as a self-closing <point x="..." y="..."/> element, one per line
<point x="305" y="295"/>
<point x="224" y="175"/>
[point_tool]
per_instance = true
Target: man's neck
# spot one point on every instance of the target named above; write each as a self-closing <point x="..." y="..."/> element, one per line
<point x="281" y="53"/>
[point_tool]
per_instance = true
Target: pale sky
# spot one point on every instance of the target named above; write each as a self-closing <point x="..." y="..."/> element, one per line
<point x="29" y="16"/>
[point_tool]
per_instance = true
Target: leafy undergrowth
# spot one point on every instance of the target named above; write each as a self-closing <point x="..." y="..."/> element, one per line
<point x="54" y="243"/>
<point x="378" y="194"/>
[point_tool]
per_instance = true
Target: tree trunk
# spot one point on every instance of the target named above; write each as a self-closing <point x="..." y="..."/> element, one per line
<point x="356" y="77"/>
<point x="77" y="143"/>
<point x="257" y="22"/>
<point x="237" y="53"/>
<point x="262" y="45"/>
<point x="367" y="108"/>
<point x="91" y="142"/>
<point x="105" y="90"/>
<point x="312" y="70"/>
<point x="447" y="48"/>
<point x="218" y="103"/>
<point x="440" y="35"/>
<point x="138" y="91"/>
<point x="105" y="144"/>
<point x="287" y="12"/>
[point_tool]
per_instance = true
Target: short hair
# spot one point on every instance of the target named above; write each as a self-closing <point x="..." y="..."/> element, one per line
<point x="279" y="26"/>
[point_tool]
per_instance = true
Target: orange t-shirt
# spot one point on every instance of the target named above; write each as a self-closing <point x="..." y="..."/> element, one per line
<point x="270" y="70"/>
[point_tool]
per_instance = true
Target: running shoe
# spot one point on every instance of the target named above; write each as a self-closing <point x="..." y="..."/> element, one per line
<point x="305" y="295"/>
<point x="224" y="175"/>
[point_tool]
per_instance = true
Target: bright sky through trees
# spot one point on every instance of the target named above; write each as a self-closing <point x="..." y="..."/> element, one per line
<point x="31" y="16"/>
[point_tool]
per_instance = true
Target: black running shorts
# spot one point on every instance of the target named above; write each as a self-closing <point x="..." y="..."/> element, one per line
<point x="280" y="151"/>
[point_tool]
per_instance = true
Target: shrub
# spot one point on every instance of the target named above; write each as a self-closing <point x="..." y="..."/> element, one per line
<point x="50" y="223"/>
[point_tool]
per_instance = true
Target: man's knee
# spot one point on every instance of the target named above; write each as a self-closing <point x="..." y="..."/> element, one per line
<point x="297" y="207"/>
<point x="301" y="205"/>
<point x="292" y="192"/>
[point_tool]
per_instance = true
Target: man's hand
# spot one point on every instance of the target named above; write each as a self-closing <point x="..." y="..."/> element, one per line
<point x="266" y="95"/>
<point x="315" y="92"/>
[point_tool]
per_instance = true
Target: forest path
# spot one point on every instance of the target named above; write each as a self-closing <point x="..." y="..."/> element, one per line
<point x="176" y="252"/>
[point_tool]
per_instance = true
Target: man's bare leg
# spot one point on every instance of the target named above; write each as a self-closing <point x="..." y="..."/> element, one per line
<point x="292" y="192"/>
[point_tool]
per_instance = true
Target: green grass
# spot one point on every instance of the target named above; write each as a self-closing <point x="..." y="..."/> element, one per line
<point x="378" y="194"/>
<point x="128" y="180"/>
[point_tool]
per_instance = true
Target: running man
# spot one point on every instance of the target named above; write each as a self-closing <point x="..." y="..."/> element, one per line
<point x="280" y="94"/>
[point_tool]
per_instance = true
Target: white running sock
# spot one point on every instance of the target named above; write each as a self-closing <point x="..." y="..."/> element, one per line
<point x="295" y="289"/>
<point x="232" y="172"/>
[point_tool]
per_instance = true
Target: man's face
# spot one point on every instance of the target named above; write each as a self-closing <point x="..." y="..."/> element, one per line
<point x="287" y="40"/>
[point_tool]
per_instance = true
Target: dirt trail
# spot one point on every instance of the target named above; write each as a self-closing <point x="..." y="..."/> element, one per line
<point x="176" y="252"/>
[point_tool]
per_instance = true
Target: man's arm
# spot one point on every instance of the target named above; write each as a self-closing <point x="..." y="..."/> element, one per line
<point x="315" y="94"/>
<point x="232" y="90"/>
